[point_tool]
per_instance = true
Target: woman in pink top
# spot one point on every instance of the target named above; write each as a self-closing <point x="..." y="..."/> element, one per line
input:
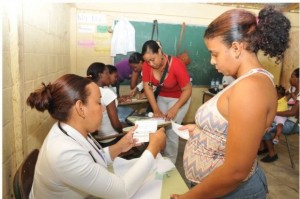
<point x="174" y="97"/>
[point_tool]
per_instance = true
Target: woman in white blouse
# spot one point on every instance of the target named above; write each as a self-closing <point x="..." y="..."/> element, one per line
<point x="71" y="164"/>
<point x="111" y="125"/>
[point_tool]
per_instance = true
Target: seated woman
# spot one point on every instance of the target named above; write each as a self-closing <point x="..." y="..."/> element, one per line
<point x="289" y="125"/>
<point x="113" y="76"/>
<point x="111" y="124"/>
<point x="73" y="165"/>
<point x="123" y="111"/>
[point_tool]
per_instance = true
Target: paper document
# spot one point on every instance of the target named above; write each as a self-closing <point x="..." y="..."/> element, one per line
<point x="163" y="165"/>
<point x="181" y="133"/>
<point x="152" y="185"/>
<point x="144" y="128"/>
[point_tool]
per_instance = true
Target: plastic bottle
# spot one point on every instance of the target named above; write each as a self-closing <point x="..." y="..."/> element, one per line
<point x="217" y="83"/>
<point x="212" y="83"/>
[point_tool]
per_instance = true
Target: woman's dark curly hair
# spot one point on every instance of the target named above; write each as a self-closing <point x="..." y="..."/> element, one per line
<point x="268" y="32"/>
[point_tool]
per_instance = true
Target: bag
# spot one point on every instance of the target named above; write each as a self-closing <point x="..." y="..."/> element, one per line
<point x="184" y="57"/>
<point x="155" y="29"/>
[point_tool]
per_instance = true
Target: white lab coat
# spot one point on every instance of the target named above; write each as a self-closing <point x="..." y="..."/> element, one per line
<point x="65" y="169"/>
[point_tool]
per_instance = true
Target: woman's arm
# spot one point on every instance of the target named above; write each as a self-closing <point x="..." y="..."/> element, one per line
<point x="152" y="101"/>
<point x="293" y="112"/>
<point x="185" y="95"/>
<point x="113" y="116"/>
<point x="134" y="79"/>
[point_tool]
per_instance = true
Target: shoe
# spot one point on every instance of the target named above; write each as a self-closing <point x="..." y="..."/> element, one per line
<point x="275" y="141"/>
<point x="269" y="158"/>
<point x="262" y="151"/>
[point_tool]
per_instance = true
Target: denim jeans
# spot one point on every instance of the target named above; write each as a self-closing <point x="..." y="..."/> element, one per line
<point x="255" y="187"/>
<point x="288" y="127"/>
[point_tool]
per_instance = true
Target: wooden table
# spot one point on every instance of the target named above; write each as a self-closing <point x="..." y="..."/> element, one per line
<point x="139" y="105"/>
<point x="134" y="102"/>
<point x="161" y="122"/>
<point x="207" y="96"/>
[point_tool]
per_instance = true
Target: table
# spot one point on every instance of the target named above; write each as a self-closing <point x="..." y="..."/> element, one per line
<point x="161" y="122"/>
<point x="172" y="182"/>
<point x="137" y="104"/>
<point x="134" y="102"/>
<point x="207" y="96"/>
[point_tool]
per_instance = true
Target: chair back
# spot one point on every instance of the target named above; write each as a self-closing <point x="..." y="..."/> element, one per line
<point x="24" y="176"/>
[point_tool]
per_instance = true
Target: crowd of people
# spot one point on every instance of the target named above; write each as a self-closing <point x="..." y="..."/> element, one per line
<point x="220" y="156"/>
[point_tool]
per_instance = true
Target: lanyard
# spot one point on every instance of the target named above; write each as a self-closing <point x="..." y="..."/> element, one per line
<point x="100" y="150"/>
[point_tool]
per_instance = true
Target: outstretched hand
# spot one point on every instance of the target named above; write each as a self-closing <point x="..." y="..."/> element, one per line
<point x="190" y="127"/>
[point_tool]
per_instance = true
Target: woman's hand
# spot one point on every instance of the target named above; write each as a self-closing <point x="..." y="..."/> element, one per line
<point x="132" y="92"/>
<point x="127" y="141"/>
<point x="190" y="127"/>
<point x="158" y="113"/>
<point x="157" y="141"/>
<point x="172" y="112"/>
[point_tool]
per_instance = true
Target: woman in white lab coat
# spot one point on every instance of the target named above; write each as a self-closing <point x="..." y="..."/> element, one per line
<point x="70" y="163"/>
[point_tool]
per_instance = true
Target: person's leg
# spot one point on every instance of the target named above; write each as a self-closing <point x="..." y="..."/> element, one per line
<point x="267" y="139"/>
<point x="279" y="128"/>
<point x="165" y="104"/>
<point x="262" y="148"/>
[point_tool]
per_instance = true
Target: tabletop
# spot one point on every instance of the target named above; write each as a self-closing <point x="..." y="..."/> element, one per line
<point x="160" y="121"/>
<point x="172" y="183"/>
<point x="133" y="101"/>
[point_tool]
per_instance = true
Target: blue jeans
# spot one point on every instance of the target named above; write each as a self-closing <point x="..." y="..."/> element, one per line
<point x="256" y="187"/>
<point x="289" y="127"/>
<point x="124" y="112"/>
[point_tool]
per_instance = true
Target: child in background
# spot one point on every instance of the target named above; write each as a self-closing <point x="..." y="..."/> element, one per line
<point x="282" y="105"/>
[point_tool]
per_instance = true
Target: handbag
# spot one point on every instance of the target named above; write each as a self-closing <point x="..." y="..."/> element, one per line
<point x="155" y="29"/>
<point x="184" y="57"/>
<point x="161" y="83"/>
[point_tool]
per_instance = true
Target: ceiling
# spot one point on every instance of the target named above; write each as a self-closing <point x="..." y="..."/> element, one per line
<point x="284" y="7"/>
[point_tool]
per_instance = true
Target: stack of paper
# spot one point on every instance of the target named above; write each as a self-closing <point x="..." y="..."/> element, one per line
<point x="144" y="127"/>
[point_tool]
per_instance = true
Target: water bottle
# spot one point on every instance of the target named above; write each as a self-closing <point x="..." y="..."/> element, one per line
<point x="212" y="83"/>
<point x="217" y="83"/>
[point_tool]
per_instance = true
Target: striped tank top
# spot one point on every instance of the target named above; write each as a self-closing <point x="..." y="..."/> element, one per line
<point x="205" y="150"/>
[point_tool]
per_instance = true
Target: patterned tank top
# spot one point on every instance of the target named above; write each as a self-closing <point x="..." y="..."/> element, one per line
<point x="205" y="150"/>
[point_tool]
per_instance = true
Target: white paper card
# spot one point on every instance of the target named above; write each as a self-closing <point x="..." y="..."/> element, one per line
<point x="181" y="133"/>
<point x="163" y="164"/>
<point x="144" y="128"/>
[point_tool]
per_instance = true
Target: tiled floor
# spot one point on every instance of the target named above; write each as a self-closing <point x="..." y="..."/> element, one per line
<point x="283" y="180"/>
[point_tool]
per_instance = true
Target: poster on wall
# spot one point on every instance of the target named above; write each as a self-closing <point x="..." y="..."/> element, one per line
<point x="93" y="37"/>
